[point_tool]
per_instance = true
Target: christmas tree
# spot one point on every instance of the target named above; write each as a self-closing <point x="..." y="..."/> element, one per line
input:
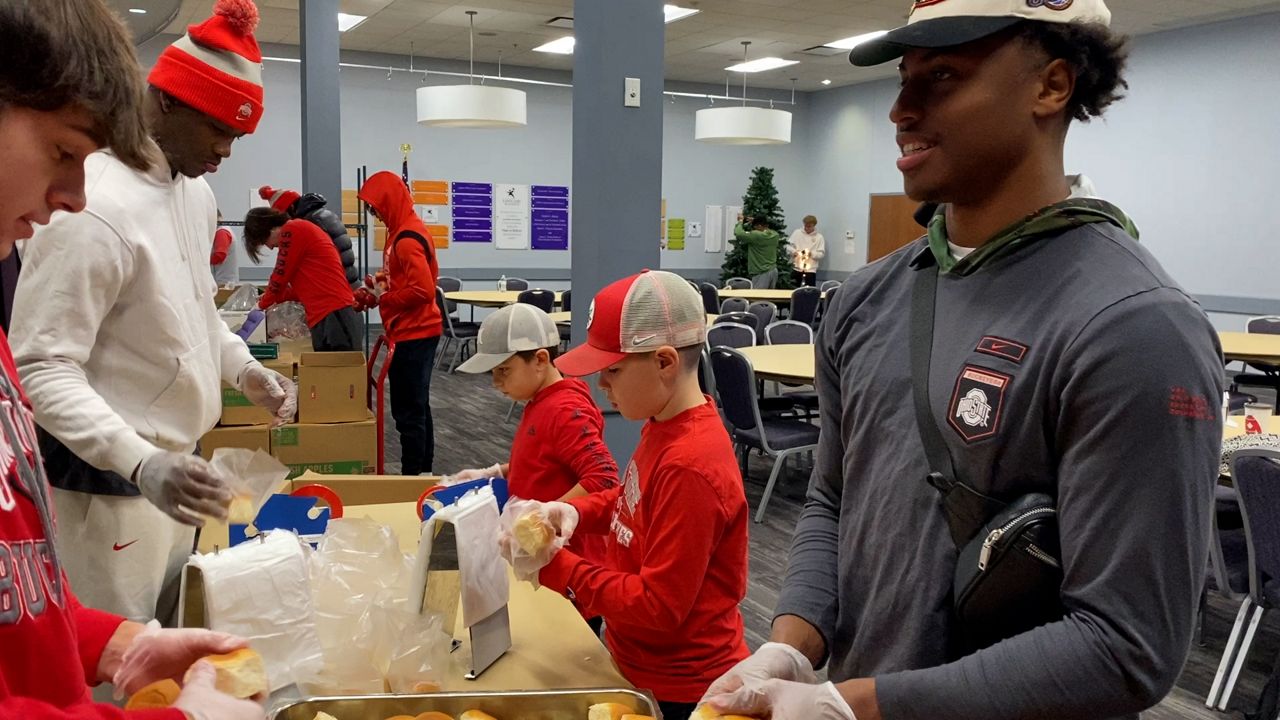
<point x="760" y="202"/>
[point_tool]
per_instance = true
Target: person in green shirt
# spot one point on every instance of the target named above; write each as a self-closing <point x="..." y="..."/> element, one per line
<point x="762" y="251"/>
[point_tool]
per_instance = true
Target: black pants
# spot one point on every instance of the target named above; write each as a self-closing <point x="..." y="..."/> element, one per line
<point x="337" y="332"/>
<point x="410" y="377"/>
<point x="678" y="711"/>
<point x="804" y="279"/>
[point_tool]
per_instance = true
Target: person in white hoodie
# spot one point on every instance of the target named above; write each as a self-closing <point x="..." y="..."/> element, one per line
<point x="117" y="340"/>
<point x="807" y="248"/>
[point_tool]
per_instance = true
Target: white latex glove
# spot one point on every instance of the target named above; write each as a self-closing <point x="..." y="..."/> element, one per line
<point x="786" y="700"/>
<point x="183" y="487"/>
<point x="271" y="390"/>
<point x="494" y="470"/>
<point x="200" y="700"/>
<point x="563" y="519"/>
<point x="157" y="654"/>
<point x="773" y="660"/>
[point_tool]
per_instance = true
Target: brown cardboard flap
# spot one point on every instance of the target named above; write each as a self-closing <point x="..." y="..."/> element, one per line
<point x="332" y="359"/>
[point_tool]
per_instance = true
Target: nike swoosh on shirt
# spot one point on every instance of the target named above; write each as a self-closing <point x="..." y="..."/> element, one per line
<point x="118" y="547"/>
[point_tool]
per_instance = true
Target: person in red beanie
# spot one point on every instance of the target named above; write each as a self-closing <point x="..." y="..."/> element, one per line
<point x="307" y="270"/>
<point x="117" y="340"/>
<point x="69" y="86"/>
<point x="410" y="315"/>
<point x="313" y="207"/>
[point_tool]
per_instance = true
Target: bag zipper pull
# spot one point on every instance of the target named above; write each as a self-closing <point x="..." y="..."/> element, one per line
<point x="987" y="546"/>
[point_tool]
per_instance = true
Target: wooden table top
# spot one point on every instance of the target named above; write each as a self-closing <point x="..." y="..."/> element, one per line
<point x="754" y="294"/>
<point x="487" y="298"/>
<point x="1234" y="427"/>
<point x="1250" y="346"/>
<point x="787" y="363"/>
<point x="564" y="318"/>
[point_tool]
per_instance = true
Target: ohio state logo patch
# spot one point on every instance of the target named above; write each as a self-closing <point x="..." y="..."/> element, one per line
<point x="976" y="402"/>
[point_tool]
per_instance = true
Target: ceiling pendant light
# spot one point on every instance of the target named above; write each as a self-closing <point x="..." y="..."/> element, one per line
<point x="471" y="106"/>
<point x="743" y="125"/>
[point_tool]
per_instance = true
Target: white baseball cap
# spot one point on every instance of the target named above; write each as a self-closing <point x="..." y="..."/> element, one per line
<point x="637" y="314"/>
<point x="512" y="329"/>
<point x="947" y="23"/>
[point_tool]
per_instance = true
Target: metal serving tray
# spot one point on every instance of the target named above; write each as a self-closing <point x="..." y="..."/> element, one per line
<point x="515" y="705"/>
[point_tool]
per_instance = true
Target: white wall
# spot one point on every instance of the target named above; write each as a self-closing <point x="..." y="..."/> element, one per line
<point x="1193" y="154"/>
<point x="378" y="114"/>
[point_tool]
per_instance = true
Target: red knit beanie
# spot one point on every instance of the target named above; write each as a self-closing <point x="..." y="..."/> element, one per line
<point x="216" y="67"/>
<point x="280" y="199"/>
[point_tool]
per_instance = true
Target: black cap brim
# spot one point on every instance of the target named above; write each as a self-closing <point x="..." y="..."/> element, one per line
<point x="936" y="33"/>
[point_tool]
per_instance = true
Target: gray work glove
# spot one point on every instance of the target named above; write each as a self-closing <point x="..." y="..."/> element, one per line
<point x="184" y="487"/>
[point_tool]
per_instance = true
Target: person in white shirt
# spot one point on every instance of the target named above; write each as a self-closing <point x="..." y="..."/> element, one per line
<point x="117" y="340"/>
<point x="807" y="246"/>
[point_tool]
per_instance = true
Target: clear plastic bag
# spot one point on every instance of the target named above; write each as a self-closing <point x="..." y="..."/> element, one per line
<point x="524" y="564"/>
<point x="244" y="298"/>
<point x="287" y="321"/>
<point x="252" y="476"/>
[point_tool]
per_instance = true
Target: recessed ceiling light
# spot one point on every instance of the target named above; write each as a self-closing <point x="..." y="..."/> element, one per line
<point x="346" y="22"/>
<point x="827" y="81"/>
<point x="761" y="64"/>
<point x="563" y="46"/>
<point x="850" y="43"/>
<point x="673" y="13"/>
<point x="138" y="11"/>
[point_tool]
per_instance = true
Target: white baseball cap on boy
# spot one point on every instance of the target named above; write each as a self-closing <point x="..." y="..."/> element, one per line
<point x="512" y="329"/>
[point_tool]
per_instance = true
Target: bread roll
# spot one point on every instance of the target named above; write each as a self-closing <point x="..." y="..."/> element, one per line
<point x="240" y="673"/>
<point x="426" y="686"/>
<point x="609" y="711"/>
<point x="400" y="717"/>
<point x="532" y="533"/>
<point x="157" y="695"/>
<point x="240" y="511"/>
<point x="476" y="715"/>
<point x="324" y="716"/>
<point x="705" y="712"/>
<point x="637" y="717"/>
<point x="433" y="715"/>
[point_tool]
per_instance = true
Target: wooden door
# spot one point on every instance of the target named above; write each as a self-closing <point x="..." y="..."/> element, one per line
<point x="892" y="224"/>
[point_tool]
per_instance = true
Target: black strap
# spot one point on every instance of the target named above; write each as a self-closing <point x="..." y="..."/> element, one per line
<point x="416" y="236"/>
<point x="924" y="292"/>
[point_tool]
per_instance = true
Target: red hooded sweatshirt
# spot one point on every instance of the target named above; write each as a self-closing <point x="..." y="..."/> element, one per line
<point x="408" y="307"/>
<point x="50" y="645"/>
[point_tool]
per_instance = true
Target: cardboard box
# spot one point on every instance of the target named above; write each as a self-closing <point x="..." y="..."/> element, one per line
<point x="332" y="387"/>
<point x="236" y="408"/>
<point x="249" y="437"/>
<point x="349" y="448"/>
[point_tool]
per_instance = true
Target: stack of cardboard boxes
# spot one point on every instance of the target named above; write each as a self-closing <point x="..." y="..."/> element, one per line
<point x="334" y="432"/>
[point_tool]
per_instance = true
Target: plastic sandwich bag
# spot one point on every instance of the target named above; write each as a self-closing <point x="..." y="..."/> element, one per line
<point x="525" y="564"/>
<point x="485" y="584"/>
<point x="243" y="299"/>
<point x="287" y="321"/>
<point x="252" y="476"/>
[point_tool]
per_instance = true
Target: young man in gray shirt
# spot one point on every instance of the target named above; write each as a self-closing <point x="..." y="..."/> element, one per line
<point x="1064" y="361"/>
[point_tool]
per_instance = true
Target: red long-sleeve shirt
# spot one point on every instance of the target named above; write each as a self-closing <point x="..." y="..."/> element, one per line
<point x="50" y="645"/>
<point x="308" y="270"/>
<point x="221" y="246"/>
<point x="408" y="307"/>
<point x="676" y="568"/>
<point x="560" y="444"/>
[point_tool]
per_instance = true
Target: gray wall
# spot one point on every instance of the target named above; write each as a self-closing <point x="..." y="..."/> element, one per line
<point x="378" y="114"/>
<point x="1193" y="154"/>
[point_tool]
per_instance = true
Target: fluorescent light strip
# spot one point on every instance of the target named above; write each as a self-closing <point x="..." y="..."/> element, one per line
<point x="346" y="22"/>
<point x="563" y="46"/>
<point x="761" y="64"/>
<point x="850" y="43"/>
<point x="673" y="13"/>
<point x="138" y="11"/>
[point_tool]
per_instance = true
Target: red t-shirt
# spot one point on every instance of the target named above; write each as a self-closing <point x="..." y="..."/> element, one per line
<point x="560" y="444"/>
<point x="221" y="246"/>
<point x="676" y="568"/>
<point x="50" y="645"/>
<point x="308" y="270"/>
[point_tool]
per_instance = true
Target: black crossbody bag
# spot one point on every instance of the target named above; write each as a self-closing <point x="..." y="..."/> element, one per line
<point x="1008" y="575"/>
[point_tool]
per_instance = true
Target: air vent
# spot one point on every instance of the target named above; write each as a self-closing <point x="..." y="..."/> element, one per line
<point x="824" y="51"/>
<point x="564" y="23"/>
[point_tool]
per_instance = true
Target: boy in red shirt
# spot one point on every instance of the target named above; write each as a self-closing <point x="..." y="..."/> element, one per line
<point x="309" y="271"/>
<point x="73" y="89"/>
<point x="411" y="318"/>
<point x="559" y="451"/>
<point x="676" y="529"/>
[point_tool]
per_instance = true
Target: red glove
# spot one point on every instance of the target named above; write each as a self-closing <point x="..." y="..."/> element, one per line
<point x="365" y="300"/>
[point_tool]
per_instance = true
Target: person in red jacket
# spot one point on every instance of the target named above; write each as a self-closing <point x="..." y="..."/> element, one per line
<point x="309" y="271"/>
<point x="675" y="531"/>
<point x="69" y="86"/>
<point x="411" y="318"/>
<point x="558" y="452"/>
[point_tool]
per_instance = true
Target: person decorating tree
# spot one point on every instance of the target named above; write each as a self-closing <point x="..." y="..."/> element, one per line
<point x="761" y="242"/>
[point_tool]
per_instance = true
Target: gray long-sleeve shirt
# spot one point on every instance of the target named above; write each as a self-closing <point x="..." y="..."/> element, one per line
<point x="1099" y="383"/>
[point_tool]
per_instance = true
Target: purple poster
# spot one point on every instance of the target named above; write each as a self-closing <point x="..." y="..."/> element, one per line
<point x="472" y="212"/>
<point x="549" y="218"/>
